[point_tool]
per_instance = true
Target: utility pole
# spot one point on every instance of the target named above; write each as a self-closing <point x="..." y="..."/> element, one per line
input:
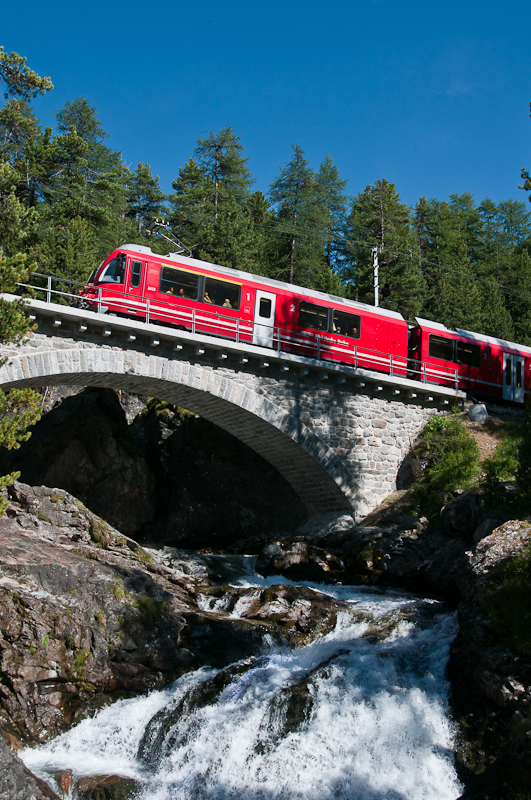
<point x="374" y="252"/>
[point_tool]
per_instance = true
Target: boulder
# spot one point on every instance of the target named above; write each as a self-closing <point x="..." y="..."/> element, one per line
<point x="478" y="413"/>
<point x="300" y="561"/>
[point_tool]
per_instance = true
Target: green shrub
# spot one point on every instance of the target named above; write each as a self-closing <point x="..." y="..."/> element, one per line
<point x="504" y="464"/>
<point x="452" y="457"/>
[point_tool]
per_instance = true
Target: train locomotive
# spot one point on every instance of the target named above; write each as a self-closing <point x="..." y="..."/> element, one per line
<point x="210" y="299"/>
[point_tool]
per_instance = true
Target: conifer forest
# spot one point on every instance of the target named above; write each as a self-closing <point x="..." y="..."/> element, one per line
<point x="68" y="199"/>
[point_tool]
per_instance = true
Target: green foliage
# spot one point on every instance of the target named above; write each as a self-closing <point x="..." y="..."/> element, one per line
<point x="509" y="601"/>
<point x="19" y="78"/>
<point x="504" y="464"/>
<point x="151" y="608"/>
<point x="452" y="457"/>
<point x="379" y="219"/>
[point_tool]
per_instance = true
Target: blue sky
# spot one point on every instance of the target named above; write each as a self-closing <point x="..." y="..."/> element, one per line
<point x="433" y="97"/>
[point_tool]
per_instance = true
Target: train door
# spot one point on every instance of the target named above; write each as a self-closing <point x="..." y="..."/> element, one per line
<point x="264" y="318"/>
<point x="513" y="378"/>
<point x="135" y="281"/>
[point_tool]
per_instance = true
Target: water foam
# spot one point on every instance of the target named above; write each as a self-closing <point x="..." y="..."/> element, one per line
<point x="376" y="725"/>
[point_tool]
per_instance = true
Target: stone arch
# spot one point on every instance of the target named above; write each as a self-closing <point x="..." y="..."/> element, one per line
<point x="314" y="471"/>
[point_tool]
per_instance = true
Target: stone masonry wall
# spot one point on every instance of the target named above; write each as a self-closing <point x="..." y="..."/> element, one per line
<point x="339" y="445"/>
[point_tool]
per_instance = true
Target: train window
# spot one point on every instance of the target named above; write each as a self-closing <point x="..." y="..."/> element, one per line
<point x="221" y="293"/>
<point x="468" y="354"/>
<point x="114" y="271"/>
<point x="312" y="316"/>
<point x="441" y="347"/>
<point x="518" y="374"/>
<point x="508" y="371"/>
<point x="346" y="324"/>
<point x="264" y="310"/>
<point x="179" y="283"/>
<point x="136" y="274"/>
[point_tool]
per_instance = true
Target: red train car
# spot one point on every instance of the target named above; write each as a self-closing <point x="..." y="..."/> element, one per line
<point x="207" y="298"/>
<point x="486" y="367"/>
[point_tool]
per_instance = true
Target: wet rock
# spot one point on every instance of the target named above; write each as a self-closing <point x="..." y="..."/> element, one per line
<point x="107" y="787"/>
<point x="299" y="561"/>
<point x="300" y="610"/>
<point x="17" y="782"/>
<point x="88" y="616"/>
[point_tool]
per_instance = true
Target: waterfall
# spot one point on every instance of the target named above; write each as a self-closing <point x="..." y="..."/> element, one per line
<point x="358" y="714"/>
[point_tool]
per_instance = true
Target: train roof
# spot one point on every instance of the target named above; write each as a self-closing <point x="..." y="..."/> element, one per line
<point x="474" y="337"/>
<point x="249" y="276"/>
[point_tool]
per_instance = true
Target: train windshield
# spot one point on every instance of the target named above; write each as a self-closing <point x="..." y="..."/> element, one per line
<point x="114" y="271"/>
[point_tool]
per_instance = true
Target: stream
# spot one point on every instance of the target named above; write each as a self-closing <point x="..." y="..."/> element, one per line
<point x="360" y="713"/>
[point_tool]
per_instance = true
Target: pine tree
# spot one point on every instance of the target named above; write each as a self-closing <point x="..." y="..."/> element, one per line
<point x="212" y="211"/>
<point x="461" y="297"/>
<point x="20" y="80"/>
<point x="379" y="220"/>
<point x="299" y="247"/>
<point x="334" y="206"/>
<point x="19" y="408"/>
<point x="220" y="158"/>
<point x="146" y="200"/>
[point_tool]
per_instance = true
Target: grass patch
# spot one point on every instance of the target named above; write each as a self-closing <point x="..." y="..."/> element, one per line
<point x="452" y="460"/>
<point x="117" y="590"/>
<point x="145" y="558"/>
<point x="151" y="608"/>
<point x="99" y="532"/>
<point x="509" y="602"/>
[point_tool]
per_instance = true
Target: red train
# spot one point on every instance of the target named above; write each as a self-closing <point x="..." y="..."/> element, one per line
<point x="206" y="298"/>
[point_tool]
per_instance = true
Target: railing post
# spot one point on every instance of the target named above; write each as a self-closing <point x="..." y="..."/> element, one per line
<point x="355" y="358"/>
<point x="318" y="348"/>
<point x="99" y="300"/>
<point x="49" y="290"/>
<point x="424" y="372"/>
<point x="279" y="340"/>
<point x="147" y="309"/>
<point x="193" y="320"/>
<point x="390" y="365"/>
<point x="238" y="331"/>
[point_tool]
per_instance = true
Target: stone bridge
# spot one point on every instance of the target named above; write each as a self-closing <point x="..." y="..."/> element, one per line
<point x="337" y="434"/>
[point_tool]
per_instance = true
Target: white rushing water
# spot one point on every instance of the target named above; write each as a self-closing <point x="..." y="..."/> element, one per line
<point x="374" y="722"/>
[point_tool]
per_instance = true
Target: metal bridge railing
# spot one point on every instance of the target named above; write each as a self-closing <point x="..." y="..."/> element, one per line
<point x="313" y="345"/>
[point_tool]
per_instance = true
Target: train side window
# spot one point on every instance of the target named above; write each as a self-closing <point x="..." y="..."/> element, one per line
<point x="221" y="293"/>
<point x="518" y="374"/>
<point x="179" y="283"/>
<point x="468" y="354"/>
<point x="508" y="371"/>
<point x="264" y="309"/>
<point x="346" y="324"/>
<point x="441" y="347"/>
<point x="312" y="316"/>
<point x="114" y="271"/>
<point x="136" y="274"/>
